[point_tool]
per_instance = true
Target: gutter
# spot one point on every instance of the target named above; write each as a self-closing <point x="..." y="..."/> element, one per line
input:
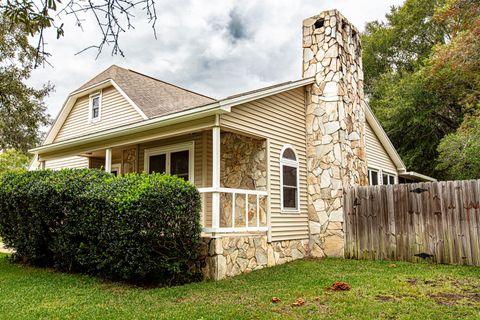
<point x="179" y="117"/>
<point x="413" y="174"/>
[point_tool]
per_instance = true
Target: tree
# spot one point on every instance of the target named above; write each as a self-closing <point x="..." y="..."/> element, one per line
<point x="22" y="108"/>
<point x="458" y="61"/>
<point x="113" y="17"/>
<point x="12" y="159"/>
<point x="419" y="79"/>
<point x="400" y="44"/>
<point x="460" y="151"/>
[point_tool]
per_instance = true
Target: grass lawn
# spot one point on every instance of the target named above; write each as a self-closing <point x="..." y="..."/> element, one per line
<point x="379" y="290"/>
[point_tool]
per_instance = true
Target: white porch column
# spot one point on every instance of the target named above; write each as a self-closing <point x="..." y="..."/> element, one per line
<point x="215" y="177"/>
<point x="42" y="165"/>
<point x="108" y="159"/>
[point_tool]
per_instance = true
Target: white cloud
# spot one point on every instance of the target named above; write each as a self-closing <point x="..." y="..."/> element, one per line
<point x="217" y="47"/>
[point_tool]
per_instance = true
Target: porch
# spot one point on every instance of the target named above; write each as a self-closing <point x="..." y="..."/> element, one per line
<point x="228" y="168"/>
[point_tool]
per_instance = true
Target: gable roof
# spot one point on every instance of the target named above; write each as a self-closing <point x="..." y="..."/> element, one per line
<point x="215" y="107"/>
<point x="152" y="96"/>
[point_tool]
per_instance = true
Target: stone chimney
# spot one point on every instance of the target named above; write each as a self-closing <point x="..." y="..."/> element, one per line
<point x="335" y="115"/>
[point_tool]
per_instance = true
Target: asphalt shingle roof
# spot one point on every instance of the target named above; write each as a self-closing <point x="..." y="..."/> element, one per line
<point x="154" y="97"/>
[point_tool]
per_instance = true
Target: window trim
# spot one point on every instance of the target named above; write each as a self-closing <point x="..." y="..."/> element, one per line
<point x="116" y="167"/>
<point x="90" y="106"/>
<point x="380" y="175"/>
<point x="289" y="163"/>
<point x="389" y="173"/>
<point x="167" y="150"/>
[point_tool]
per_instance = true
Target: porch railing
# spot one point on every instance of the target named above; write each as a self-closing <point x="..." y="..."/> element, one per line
<point x="234" y="210"/>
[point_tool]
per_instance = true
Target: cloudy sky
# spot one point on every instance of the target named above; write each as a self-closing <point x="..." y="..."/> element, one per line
<point x="215" y="47"/>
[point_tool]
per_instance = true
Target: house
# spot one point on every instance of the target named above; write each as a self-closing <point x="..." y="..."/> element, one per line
<point x="271" y="164"/>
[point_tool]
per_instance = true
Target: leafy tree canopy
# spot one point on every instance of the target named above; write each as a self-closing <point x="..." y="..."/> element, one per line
<point x="12" y="159"/>
<point x="422" y="75"/>
<point x="460" y="151"/>
<point x="21" y="106"/>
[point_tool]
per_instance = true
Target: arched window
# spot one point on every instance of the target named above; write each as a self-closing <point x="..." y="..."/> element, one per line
<point x="289" y="193"/>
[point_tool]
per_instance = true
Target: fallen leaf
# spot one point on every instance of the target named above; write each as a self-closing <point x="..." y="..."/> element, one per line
<point x="340" y="286"/>
<point x="275" y="300"/>
<point x="299" y="302"/>
<point x="392" y="265"/>
<point x="317" y="298"/>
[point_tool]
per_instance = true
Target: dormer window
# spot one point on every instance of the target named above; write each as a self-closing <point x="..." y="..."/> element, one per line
<point x="95" y="106"/>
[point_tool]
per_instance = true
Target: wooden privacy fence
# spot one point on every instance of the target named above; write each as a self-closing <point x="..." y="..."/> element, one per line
<point x="398" y="221"/>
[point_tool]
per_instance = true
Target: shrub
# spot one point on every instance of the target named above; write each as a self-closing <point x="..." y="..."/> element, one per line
<point x="137" y="228"/>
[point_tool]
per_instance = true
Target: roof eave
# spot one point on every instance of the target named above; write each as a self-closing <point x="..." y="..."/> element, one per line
<point x="417" y="176"/>
<point x="217" y="107"/>
<point x="384" y="139"/>
<point x="240" y="99"/>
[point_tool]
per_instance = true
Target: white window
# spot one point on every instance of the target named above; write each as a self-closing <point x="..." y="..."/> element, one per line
<point x="175" y="160"/>
<point x="373" y="177"/>
<point x="95" y="106"/>
<point x="388" y="178"/>
<point x="116" y="169"/>
<point x="380" y="177"/>
<point x="289" y="193"/>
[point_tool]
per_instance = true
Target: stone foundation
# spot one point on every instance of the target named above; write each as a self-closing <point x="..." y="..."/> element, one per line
<point x="229" y="256"/>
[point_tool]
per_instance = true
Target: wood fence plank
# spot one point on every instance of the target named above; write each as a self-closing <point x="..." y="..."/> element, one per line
<point x="456" y="221"/>
<point x="346" y="224"/>
<point x="357" y="223"/>
<point x="383" y="224"/>
<point x="363" y="221"/>
<point x="447" y="223"/>
<point x="368" y="223"/>
<point x="438" y="223"/>
<point x="376" y="226"/>
<point x="464" y="202"/>
<point x="399" y="218"/>
<point x="424" y="219"/>
<point x="475" y="221"/>
<point x="399" y="221"/>
<point x="392" y="248"/>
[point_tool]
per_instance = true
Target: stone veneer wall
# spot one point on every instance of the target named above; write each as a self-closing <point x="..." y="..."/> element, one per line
<point x="243" y="162"/>
<point x="229" y="256"/>
<point x="243" y="165"/>
<point x="129" y="160"/>
<point x="335" y="116"/>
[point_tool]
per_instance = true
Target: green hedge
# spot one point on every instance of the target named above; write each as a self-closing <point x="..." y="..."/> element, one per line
<point x="136" y="228"/>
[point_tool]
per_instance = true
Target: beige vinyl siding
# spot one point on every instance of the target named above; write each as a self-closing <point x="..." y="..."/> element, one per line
<point x="75" y="162"/>
<point x="115" y="111"/>
<point x="377" y="157"/>
<point x="96" y="163"/>
<point x="280" y="119"/>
